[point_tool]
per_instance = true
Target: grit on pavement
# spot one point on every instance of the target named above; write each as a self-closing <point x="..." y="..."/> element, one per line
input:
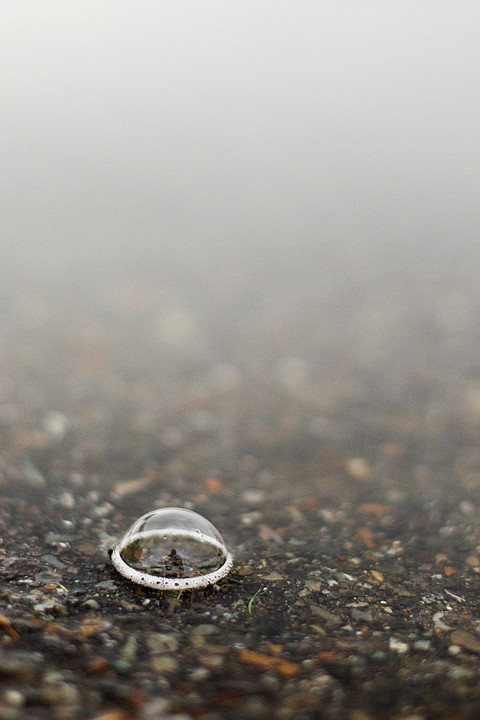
<point x="336" y="450"/>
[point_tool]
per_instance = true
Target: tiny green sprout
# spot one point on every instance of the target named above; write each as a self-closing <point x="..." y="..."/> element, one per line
<point x="253" y="598"/>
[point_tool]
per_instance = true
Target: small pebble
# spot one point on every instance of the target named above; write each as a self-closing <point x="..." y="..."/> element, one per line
<point x="397" y="646"/>
<point x="14" y="698"/>
<point x="364" y="615"/>
<point x="205" y="630"/>
<point x="465" y="640"/>
<point x="160" y="643"/>
<point x="56" y="424"/>
<point x="91" y="604"/>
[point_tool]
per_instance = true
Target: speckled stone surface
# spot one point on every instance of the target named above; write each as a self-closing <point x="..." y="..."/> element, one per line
<point x="341" y="466"/>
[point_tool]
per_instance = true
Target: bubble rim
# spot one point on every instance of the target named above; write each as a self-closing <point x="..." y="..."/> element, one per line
<point x="157" y="582"/>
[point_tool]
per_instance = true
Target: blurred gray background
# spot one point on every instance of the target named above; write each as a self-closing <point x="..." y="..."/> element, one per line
<point x="276" y="187"/>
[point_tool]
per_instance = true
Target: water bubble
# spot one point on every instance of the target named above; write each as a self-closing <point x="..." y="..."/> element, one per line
<point x="172" y="549"/>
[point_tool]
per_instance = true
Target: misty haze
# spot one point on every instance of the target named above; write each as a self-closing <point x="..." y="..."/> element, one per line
<point x="309" y="171"/>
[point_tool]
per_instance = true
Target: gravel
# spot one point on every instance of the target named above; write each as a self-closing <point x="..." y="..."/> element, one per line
<point x="349" y="495"/>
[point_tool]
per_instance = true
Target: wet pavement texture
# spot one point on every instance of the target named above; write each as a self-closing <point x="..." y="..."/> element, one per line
<point x="342" y="470"/>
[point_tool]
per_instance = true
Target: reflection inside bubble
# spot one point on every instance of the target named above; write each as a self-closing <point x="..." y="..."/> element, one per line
<point x="173" y="556"/>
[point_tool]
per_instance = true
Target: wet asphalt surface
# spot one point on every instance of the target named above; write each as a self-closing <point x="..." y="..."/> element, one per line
<point x="344" y="476"/>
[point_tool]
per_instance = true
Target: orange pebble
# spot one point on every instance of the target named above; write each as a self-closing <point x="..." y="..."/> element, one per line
<point x="212" y="484"/>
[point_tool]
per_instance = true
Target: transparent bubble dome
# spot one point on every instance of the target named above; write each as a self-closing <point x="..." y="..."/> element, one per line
<point x="172" y="549"/>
